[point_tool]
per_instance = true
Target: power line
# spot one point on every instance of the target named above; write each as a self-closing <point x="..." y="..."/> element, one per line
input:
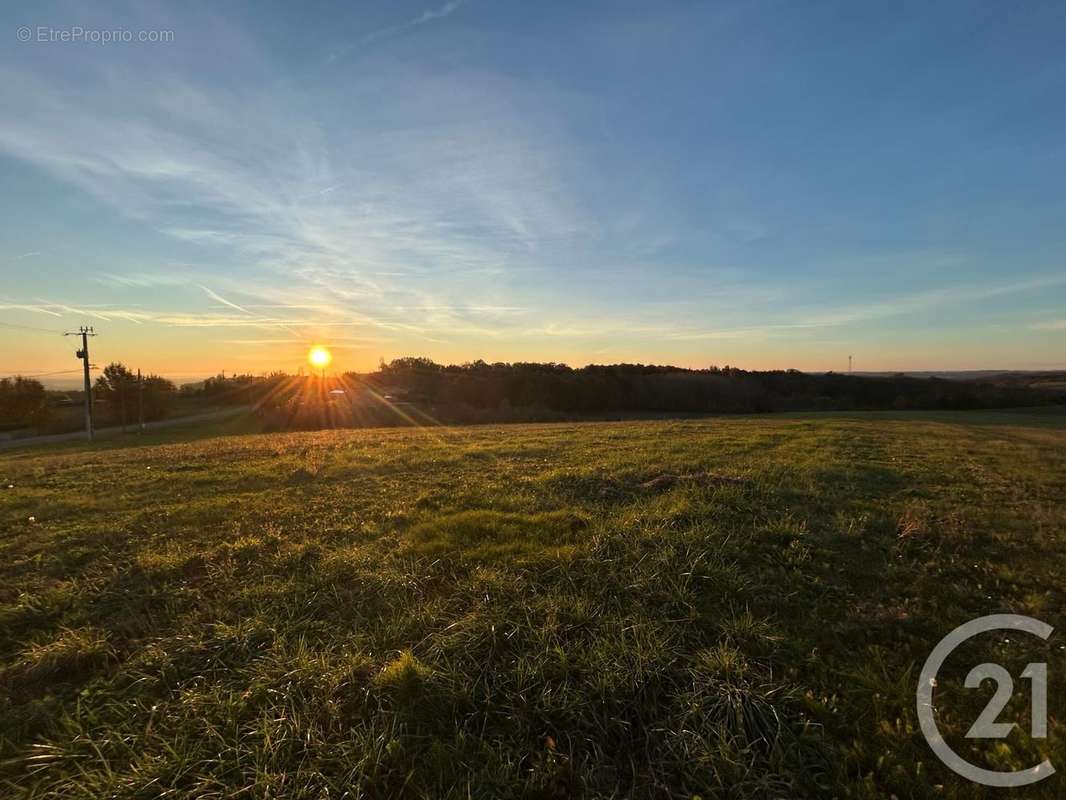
<point x="45" y="374"/>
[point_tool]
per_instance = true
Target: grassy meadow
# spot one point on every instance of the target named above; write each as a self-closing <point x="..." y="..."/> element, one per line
<point x="727" y="607"/>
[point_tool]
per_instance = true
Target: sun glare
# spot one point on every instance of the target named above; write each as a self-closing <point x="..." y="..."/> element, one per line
<point x="319" y="356"/>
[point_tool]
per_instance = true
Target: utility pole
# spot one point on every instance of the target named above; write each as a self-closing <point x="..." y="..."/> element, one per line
<point x="140" y="402"/>
<point x="849" y="365"/>
<point x="83" y="354"/>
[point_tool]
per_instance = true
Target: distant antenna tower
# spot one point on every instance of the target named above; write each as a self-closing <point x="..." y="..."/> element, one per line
<point x="849" y="365"/>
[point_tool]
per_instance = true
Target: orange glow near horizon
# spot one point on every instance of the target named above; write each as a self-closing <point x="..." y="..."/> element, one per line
<point x="319" y="357"/>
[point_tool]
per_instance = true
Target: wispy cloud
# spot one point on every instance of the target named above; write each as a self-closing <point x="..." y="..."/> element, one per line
<point x="426" y="16"/>
<point x="412" y="205"/>
<point x="1050" y="325"/>
<point x="220" y="299"/>
<point x="95" y="313"/>
<point x="914" y="303"/>
<point x="438" y="13"/>
<point x="33" y="309"/>
<point x="22" y="257"/>
<point x="931" y="299"/>
<point x="437" y="322"/>
<point x="414" y="220"/>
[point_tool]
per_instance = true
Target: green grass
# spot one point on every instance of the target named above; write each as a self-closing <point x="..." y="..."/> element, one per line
<point x="730" y="607"/>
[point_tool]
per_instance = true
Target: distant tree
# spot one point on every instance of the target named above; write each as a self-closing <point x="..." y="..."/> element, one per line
<point x="412" y="364"/>
<point x="238" y="389"/>
<point x="159" y="394"/>
<point x="23" y="403"/>
<point x="116" y="388"/>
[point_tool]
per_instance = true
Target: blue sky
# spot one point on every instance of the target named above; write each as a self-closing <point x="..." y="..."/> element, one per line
<point x="764" y="184"/>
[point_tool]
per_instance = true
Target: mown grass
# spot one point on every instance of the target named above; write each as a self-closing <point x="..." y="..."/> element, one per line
<point x="722" y="608"/>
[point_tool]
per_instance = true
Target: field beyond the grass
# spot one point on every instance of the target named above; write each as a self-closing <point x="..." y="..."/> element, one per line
<point x="729" y="607"/>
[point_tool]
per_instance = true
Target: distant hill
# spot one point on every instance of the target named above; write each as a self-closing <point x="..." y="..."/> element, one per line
<point x="970" y="374"/>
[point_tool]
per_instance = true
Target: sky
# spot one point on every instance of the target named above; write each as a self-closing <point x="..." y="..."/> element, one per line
<point x="763" y="184"/>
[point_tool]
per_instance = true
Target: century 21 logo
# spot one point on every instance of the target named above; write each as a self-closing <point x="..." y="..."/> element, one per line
<point x="986" y="727"/>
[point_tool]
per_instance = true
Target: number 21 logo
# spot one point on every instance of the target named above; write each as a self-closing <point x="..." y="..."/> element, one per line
<point x="986" y="725"/>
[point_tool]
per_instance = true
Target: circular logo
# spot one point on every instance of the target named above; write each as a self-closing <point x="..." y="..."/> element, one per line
<point x="24" y="33"/>
<point x="983" y="728"/>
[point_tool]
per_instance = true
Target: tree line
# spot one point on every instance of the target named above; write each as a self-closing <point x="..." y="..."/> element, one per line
<point x="122" y="397"/>
<point x="597" y="389"/>
<point x="119" y="398"/>
<point x="408" y="389"/>
<point x="23" y="403"/>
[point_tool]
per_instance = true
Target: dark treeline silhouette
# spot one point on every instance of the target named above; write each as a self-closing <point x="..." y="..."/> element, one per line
<point x="420" y="391"/>
<point x="23" y="404"/>
<point x="241" y="389"/>
<point x="648" y="388"/>
<point x="120" y="398"/>
<point x="26" y="406"/>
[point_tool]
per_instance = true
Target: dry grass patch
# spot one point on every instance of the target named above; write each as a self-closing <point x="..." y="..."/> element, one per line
<point x="489" y="535"/>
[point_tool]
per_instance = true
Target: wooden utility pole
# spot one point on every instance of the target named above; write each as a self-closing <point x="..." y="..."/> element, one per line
<point x="140" y="402"/>
<point x="83" y="354"/>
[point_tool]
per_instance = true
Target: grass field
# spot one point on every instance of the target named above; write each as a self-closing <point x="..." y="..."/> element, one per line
<point x="733" y="607"/>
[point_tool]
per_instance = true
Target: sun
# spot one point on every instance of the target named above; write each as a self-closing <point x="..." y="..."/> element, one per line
<point x="319" y="356"/>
